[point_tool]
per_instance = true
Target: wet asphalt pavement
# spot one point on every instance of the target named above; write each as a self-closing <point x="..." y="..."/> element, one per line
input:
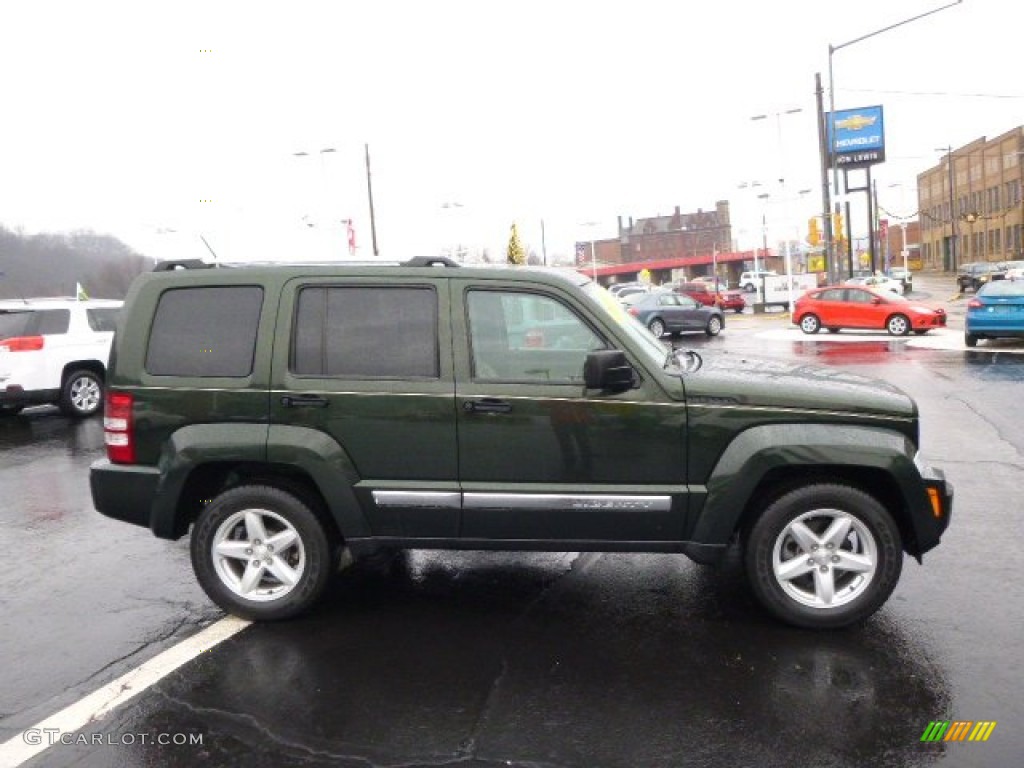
<point x="559" y="659"/>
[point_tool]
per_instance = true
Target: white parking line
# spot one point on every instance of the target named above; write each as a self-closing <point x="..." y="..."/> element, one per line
<point x="98" y="704"/>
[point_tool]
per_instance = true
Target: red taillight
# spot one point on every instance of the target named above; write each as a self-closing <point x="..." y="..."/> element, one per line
<point x="23" y="343"/>
<point x="974" y="304"/>
<point x="634" y="311"/>
<point x="119" y="428"/>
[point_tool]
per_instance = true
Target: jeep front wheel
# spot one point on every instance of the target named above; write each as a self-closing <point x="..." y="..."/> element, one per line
<point x="260" y="553"/>
<point x="824" y="556"/>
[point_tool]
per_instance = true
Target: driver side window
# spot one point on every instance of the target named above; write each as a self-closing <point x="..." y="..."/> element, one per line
<point x="520" y="336"/>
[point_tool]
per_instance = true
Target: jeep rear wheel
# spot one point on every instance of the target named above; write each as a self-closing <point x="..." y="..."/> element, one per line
<point x="82" y="394"/>
<point x="824" y="556"/>
<point x="260" y="553"/>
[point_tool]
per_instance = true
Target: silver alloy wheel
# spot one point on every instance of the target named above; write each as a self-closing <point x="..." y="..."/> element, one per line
<point x="85" y="394"/>
<point x="810" y="324"/>
<point x="657" y="327"/>
<point x="898" y="325"/>
<point x="258" y="555"/>
<point x="825" y="558"/>
<point x="714" y="326"/>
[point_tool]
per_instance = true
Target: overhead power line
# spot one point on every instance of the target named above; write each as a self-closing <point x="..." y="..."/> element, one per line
<point x="938" y="93"/>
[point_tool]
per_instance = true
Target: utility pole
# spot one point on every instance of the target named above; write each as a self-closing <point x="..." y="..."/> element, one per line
<point x="831" y="255"/>
<point x="369" y="194"/>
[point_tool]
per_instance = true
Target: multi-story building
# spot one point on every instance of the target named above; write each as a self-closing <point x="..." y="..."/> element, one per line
<point x="971" y="204"/>
<point x="695" y="243"/>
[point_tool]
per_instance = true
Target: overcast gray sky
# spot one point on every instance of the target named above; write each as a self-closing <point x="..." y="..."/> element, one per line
<point x="123" y="117"/>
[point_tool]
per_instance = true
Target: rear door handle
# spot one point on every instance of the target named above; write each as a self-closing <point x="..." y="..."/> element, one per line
<point x="303" y="401"/>
<point x="487" y="405"/>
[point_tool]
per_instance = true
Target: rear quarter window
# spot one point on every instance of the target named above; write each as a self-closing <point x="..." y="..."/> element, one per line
<point x="102" y="318"/>
<point x="205" y="332"/>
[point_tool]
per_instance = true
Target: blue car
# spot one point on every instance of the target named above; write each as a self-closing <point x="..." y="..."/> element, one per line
<point x="997" y="310"/>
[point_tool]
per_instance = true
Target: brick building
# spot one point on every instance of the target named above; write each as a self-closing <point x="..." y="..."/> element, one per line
<point x="971" y="203"/>
<point x="688" y="241"/>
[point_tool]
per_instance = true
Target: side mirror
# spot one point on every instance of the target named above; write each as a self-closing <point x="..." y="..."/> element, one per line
<point x="608" y="370"/>
<point x="876" y="300"/>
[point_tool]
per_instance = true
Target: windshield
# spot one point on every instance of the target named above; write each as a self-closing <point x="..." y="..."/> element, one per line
<point x="653" y="349"/>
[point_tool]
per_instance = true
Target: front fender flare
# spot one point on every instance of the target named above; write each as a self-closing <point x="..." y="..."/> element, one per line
<point x="716" y="513"/>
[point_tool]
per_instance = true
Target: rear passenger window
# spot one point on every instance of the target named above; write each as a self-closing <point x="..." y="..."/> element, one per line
<point x="53" y="321"/>
<point x="205" y="332"/>
<point x="366" y="332"/>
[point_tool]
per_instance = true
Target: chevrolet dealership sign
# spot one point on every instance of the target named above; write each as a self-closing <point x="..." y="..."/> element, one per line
<point x="856" y="137"/>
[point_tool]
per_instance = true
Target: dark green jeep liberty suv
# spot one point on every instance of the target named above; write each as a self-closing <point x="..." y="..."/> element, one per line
<point x="286" y="413"/>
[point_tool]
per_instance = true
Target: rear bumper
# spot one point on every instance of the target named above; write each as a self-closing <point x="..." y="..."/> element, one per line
<point x="124" y="492"/>
<point x="15" y="395"/>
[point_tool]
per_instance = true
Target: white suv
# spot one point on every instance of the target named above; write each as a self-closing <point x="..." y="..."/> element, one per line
<point x="55" y="351"/>
<point x="749" y="281"/>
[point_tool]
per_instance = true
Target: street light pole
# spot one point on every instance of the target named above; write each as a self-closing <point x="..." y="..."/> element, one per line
<point x="830" y="128"/>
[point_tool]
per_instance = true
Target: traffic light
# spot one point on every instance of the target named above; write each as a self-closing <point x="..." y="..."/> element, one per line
<point x="813" y="231"/>
<point x="838" y="230"/>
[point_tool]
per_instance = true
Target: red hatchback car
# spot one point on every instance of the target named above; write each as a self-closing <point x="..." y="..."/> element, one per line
<point x="845" y="306"/>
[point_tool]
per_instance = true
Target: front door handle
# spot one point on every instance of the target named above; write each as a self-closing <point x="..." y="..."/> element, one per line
<point x="487" y="405"/>
<point x="303" y="401"/>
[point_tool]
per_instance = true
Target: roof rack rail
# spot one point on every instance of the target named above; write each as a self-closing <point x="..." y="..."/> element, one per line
<point x="430" y="261"/>
<point x="173" y="264"/>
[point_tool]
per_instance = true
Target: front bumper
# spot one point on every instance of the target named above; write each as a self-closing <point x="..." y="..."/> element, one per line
<point x="928" y="533"/>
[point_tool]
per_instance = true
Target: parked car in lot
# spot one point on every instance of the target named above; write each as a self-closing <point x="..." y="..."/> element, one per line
<point x="631" y="290"/>
<point x="749" y="281"/>
<point x="616" y="288"/>
<point x="847" y="306"/>
<point x="706" y="294"/>
<point x="1014" y="270"/>
<point x="289" y="416"/>
<point x="669" y="312"/>
<point x="996" y="311"/>
<point x="972" y="275"/>
<point x="55" y="350"/>
<point x="881" y="282"/>
<point x="715" y="281"/>
<point x="905" y="276"/>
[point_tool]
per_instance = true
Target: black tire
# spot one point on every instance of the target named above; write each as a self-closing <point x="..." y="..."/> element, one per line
<point x="898" y="325"/>
<point x="921" y="331"/>
<point x="749" y="287"/>
<point x="833" y="330"/>
<point x="657" y="327"/>
<point x="810" y="324"/>
<point x="872" y="538"/>
<point x="970" y="340"/>
<point x="739" y="310"/>
<point x="714" y="326"/>
<point x="82" y="394"/>
<point x="307" y="558"/>
<point x="11" y="410"/>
